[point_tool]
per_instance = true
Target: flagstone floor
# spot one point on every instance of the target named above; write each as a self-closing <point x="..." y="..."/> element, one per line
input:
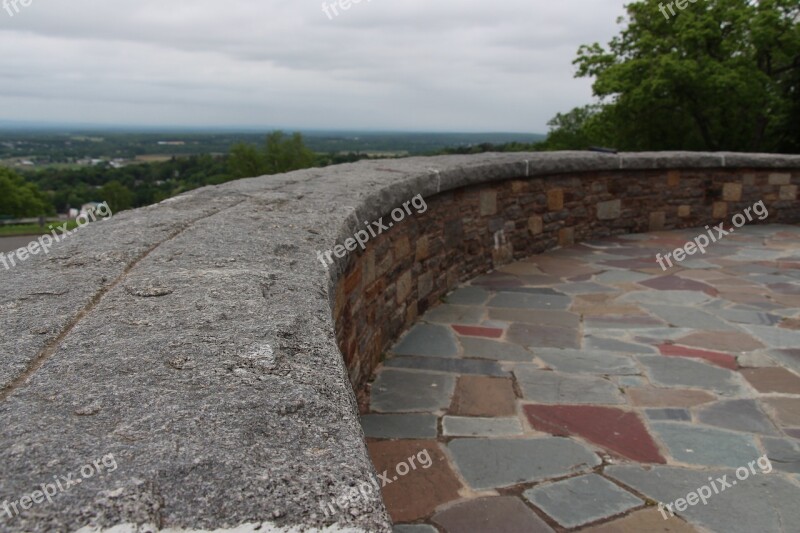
<point x="574" y="390"/>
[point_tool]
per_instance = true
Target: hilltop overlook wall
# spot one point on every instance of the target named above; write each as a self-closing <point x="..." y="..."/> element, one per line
<point x="205" y="345"/>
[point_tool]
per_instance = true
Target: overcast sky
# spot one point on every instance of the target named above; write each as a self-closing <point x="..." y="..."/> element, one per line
<point x="414" y="65"/>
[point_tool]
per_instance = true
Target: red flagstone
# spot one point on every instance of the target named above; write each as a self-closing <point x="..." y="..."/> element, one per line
<point x="476" y="331"/>
<point x="674" y="283"/>
<point x="621" y="432"/>
<point x="718" y="358"/>
<point x="730" y="341"/>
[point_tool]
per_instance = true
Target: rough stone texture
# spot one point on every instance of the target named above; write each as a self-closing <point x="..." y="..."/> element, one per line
<point x="204" y="344"/>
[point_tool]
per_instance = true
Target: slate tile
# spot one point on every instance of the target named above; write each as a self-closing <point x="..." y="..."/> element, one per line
<point x="405" y="391"/>
<point x="428" y="340"/>
<point x="453" y="366"/>
<point x="547" y="387"/>
<point x="503" y="514"/>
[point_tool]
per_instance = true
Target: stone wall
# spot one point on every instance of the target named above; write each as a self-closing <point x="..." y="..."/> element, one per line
<point x="201" y="342"/>
<point x="471" y="230"/>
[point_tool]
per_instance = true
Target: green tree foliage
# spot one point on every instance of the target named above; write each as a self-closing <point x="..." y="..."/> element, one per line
<point x="19" y="198"/>
<point x="281" y="153"/>
<point x="719" y="75"/>
<point x="118" y="196"/>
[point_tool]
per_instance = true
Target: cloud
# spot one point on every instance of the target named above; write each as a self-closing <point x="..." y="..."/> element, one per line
<point x="449" y="65"/>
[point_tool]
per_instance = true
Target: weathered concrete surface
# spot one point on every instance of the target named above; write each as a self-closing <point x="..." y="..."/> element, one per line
<point x="193" y="340"/>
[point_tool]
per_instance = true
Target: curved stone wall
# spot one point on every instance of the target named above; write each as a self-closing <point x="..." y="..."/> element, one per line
<point x="203" y="345"/>
<point x="514" y="210"/>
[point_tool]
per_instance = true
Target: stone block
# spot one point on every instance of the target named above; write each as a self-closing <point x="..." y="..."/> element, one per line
<point x="788" y="192"/>
<point x="720" y="210"/>
<point x="684" y="211"/>
<point x="535" y="225"/>
<point x="404" y="283"/>
<point x="609" y="210"/>
<point x="423" y="248"/>
<point x="566" y="236"/>
<point x="780" y="179"/>
<point x="555" y="199"/>
<point x="673" y="178"/>
<point x="424" y="285"/>
<point x="732" y="192"/>
<point x="658" y="220"/>
<point x="488" y="203"/>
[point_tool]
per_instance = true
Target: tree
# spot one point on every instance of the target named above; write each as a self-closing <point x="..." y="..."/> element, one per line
<point x="719" y="75"/>
<point x="280" y="154"/>
<point x="19" y="198"/>
<point x="117" y="196"/>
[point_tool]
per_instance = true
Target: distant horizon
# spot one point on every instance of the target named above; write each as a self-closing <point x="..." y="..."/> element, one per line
<point x="68" y="127"/>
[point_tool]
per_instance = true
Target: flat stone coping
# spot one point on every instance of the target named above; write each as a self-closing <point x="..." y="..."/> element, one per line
<point x="192" y="341"/>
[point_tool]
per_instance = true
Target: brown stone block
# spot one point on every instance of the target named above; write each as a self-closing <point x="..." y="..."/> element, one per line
<point x="788" y="192"/>
<point x="732" y="192"/>
<point x="483" y="396"/>
<point x="517" y="186"/>
<point x="488" y="203"/>
<point x="720" y="210"/>
<point x="780" y="179"/>
<point x="536" y="225"/>
<point x="423" y="248"/>
<point x="403" y="287"/>
<point x="369" y="266"/>
<point x="684" y="211"/>
<point x="749" y="180"/>
<point x="673" y="178"/>
<point x="566" y="236"/>
<point x="424" y="285"/>
<point x="353" y="280"/>
<point x="658" y="220"/>
<point x="402" y="247"/>
<point x="418" y="493"/>
<point x="555" y="199"/>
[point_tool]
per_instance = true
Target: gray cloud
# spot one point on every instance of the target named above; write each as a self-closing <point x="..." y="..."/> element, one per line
<point x="447" y="65"/>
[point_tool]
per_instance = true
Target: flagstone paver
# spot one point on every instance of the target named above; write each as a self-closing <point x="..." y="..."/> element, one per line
<point x="494" y="463"/>
<point x="533" y="385"/>
<point x="491" y="515"/>
<point x="581" y="500"/>
<point x="483" y="396"/>
<point x="544" y="386"/>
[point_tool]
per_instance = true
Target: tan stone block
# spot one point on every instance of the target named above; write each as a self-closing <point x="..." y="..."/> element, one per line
<point x="555" y="199"/>
<point x="720" y="210"/>
<point x="424" y="285"/>
<point x="780" y="179"/>
<point x="369" y="266"/>
<point x="536" y="225"/>
<point x="403" y="287"/>
<point x="658" y="220"/>
<point x="483" y="396"/>
<point x="566" y="236"/>
<point x="423" y="248"/>
<point x="732" y="192"/>
<point x="684" y="211"/>
<point x="488" y="203"/>
<point x="517" y="186"/>
<point x="788" y="192"/>
<point x="402" y="247"/>
<point x="609" y="210"/>
<point x="674" y="178"/>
